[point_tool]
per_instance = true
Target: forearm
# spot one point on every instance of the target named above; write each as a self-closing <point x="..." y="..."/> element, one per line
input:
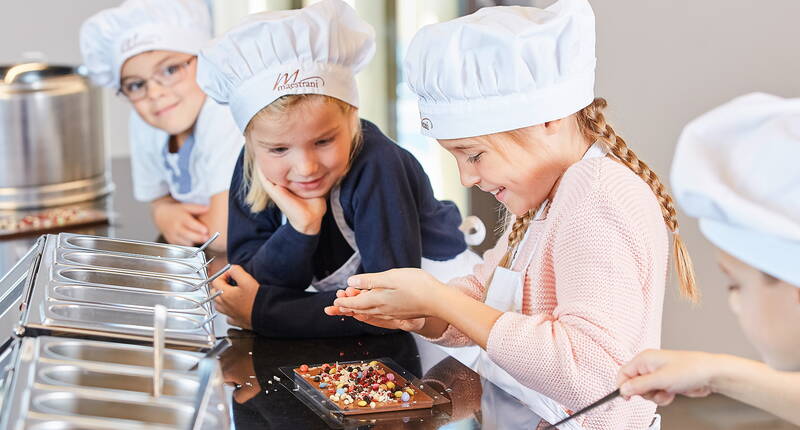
<point x="285" y="259"/>
<point x="154" y="204"/>
<point x="757" y="384"/>
<point x="473" y="318"/>
<point x="216" y="220"/>
<point x="433" y="328"/>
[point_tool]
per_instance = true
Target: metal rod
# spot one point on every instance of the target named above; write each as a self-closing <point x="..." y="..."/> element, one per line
<point x="210" y="298"/>
<point x="205" y="265"/>
<point x="209" y="319"/>
<point x="159" y="325"/>
<point x="205" y="245"/>
<point x="211" y="279"/>
<point x="607" y="397"/>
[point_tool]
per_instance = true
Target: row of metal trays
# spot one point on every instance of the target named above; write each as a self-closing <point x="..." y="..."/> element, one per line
<point x="85" y="349"/>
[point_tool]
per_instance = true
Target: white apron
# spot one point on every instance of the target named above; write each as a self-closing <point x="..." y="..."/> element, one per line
<point x="505" y="294"/>
<point x="462" y="264"/>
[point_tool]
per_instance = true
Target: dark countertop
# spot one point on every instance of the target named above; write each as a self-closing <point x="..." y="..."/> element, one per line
<point x="260" y="401"/>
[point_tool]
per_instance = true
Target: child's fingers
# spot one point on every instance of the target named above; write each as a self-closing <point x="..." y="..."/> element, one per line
<point x="193" y="224"/>
<point x="359" y="303"/>
<point x="368" y="281"/>
<point x="642" y="384"/>
<point x="644" y="363"/>
<point x="352" y="292"/>
<point x="663" y="398"/>
<point x="241" y="277"/>
<point x="278" y="193"/>
<point x="337" y="311"/>
<point x="195" y="209"/>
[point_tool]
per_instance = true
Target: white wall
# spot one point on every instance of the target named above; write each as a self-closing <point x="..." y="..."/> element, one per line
<point x="662" y="63"/>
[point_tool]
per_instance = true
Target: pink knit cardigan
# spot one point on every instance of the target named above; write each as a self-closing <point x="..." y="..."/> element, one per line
<point x="593" y="293"/>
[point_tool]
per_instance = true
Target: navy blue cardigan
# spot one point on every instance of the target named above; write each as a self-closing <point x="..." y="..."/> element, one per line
<point x="387" y="201"/>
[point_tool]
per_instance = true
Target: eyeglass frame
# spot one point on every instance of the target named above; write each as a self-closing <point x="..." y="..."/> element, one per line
<point x="155" y="77"/>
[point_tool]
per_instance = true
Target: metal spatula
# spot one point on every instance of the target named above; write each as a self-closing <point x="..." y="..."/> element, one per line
<point x="610" y="396"/>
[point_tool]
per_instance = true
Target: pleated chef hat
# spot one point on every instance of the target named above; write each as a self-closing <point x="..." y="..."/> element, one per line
<point x="735" y="169"/>
<point x="114" y="35"/>
<point x="314" y="50"/>
<point x="503" y="68"/>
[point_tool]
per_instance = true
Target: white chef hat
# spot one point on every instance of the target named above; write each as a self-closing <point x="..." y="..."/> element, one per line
<point x="113" y="35"/>
<point x="314" y="50"/>
<point x="736" y="169"/>
<point x="503" y="68"/>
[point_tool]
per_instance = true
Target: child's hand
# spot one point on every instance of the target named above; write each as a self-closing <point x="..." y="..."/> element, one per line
<point x="392" y="324"/>
<point x="395" y="294"/>
<point x="305" y="215"/>
<point x="659" y="375"/>
<point x="236" y="301"/>
<point x="178" y="223"/>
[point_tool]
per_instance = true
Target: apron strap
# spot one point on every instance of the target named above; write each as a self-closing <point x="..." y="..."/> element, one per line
<point x="338" y="216"/>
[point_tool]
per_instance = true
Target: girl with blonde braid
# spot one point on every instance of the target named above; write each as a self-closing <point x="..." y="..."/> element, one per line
<point x="575" y="287"/>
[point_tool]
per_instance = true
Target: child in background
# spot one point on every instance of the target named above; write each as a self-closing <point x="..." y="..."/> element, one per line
<point x="735" y="169"/>
<point x="318" y="194"/>
<point x="183" y="145"/>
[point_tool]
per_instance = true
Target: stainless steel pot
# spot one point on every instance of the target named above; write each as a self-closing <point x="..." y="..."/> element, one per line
<point x="51" y="138"/>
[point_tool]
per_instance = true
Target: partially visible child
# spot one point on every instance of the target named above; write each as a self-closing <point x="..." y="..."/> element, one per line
<point x="318" y="194"/>
<point x="735" y="169"/>
<point x="183" y="144"/>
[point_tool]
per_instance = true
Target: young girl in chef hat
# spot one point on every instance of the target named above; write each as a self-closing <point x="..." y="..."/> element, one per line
<point x="183" y="144"/>
<point x="575" y="286"/>
<point x="735" y="169"/>
<point x="318" y="194"/>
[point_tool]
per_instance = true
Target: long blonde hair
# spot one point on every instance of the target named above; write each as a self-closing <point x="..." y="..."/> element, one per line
<point x="593" y="125"/>
<point x="252" y="186"/>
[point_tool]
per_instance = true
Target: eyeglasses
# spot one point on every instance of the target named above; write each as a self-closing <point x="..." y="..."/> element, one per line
<point x="136" y="89"/>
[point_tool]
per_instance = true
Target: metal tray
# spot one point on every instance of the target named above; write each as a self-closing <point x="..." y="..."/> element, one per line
<point x="130" y="264"/>
<point x="119" y="306"/>
<point x="49" y="387"/>
<point x="125" y="298"/>
<point x="128" y="247"/>
<point x="131" y="281"/>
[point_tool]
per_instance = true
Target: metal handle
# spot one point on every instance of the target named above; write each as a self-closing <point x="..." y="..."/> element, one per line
<point x="207" y="366"/>
<point x="159" y="325"/>
<point x="610" y="396"/>
<point x="211" y="279"/>
<point x="205" y="265"/>
<point x="205" y="245"/>
<point x="210" y="298"/>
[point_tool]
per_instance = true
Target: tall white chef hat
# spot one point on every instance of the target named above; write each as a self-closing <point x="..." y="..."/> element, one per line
<point x="503" y="68"/>
<point x="736" y="169"/>
<point x="314" y="50"/>
<point x="114" y="35"/>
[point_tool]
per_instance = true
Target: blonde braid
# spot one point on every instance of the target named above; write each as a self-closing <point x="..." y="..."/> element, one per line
<point x="516" y="235"/>
<point x="518" y="230"/>
<point x="594" y="126"/>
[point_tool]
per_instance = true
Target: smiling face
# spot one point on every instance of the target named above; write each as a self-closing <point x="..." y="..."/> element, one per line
<point x="520" y="168"/>
<point x="306" y="148"/>
<point x="768" y="310"/>
<point x="172" y="108"/>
